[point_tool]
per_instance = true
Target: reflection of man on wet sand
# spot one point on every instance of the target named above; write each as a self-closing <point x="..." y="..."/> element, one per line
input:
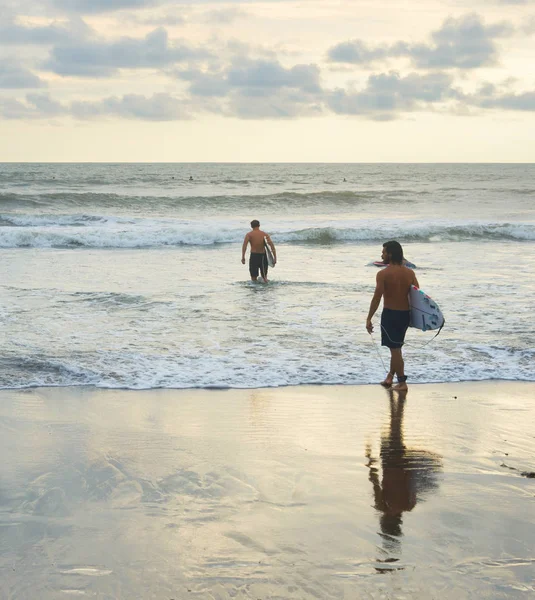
<point x="407" y="474"/>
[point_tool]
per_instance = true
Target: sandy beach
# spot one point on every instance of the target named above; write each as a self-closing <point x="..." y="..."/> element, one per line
<point x="308" y="492"/>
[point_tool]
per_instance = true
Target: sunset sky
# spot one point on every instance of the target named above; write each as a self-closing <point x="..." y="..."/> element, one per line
<point x="315" y="80"/>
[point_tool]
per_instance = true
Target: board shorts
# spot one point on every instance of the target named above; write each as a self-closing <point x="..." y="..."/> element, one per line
<point x="394" y="325"/>
<point x="258" y="262"/>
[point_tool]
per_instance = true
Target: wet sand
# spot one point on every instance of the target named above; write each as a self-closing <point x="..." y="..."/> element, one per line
<point x="309" y="492"/>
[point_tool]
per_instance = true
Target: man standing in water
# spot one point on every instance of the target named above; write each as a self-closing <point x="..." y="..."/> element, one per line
<point x="393" y="285"/>
<point x="258" y="258"/>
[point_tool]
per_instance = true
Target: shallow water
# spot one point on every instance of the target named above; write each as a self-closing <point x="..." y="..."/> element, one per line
<point x="129" y="276"/>
<point x="312" y="492"/>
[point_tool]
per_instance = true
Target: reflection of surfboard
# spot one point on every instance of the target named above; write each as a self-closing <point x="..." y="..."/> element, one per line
<point x="380" y="263"/>
<point x="425" y="313"/>
<point x="269" y="255"/>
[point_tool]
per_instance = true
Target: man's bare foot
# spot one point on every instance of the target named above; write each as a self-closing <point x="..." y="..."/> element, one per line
<point x="401" y="387"/>
<point x="388" y="381"/>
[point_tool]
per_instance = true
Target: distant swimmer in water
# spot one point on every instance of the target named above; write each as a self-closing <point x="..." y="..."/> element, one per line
<point x="345" y="179"/>
<point x="405" y="263"/>
<point x="393" y="285"/>
<point x="190" y="178"/>
<point x="258" y="259"/>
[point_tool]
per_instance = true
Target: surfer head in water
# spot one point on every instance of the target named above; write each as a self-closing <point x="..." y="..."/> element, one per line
<point x="393" y="285"/>
<point x="258" y="259"/>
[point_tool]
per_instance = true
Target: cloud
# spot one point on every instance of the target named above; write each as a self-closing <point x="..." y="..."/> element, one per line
<point x="357" y="53"/>
<point x="13" y="76"/>
<point x="464" y="43"/>
<point x="35" y="106"/>
<point x="490" y="96"/>
<point x="44" y="105"/>
<point x="55" y="33"/>
<point x="528" y="26"/>
<point x="388" y="94"/>
<point x="11" y="108"/>
<point x="93" y="7"/>
<point x="224" y="16"/>
<point x="100" y="6"/>
<point x="205" y="84"/>
<point x="253" y="78"/>
<point x="263" y="74"/>
<point x="103" y="59"/>
<point x="255" y="89"/>
<point x="158" y="107"/>
<point x="286" y="104"/>
<point x="258" y="89"/>
<point x="168" y="19"/>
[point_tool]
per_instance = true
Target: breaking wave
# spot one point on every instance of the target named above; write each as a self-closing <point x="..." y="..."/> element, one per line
<point x="87" y="231"/>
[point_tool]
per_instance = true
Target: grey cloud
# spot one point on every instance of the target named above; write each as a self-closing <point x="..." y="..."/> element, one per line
<point x="386" y="95"/>
<point x="490" y="97"/>
<point x="264" y="74"/>
<point x="100" y="6"/>
<point x="86" y="7"/>
<point x="286" y="104"/>
<point x="258" y="89"/>
<point x="13" y="76"/>
<point x="159" y="19"/>
<point x="205" y="84"/>
<point x="36" y="106"/>
<point x="13" y="109"/>
<point x="528" y="27"/>
<point x="45" y="105"/>
<point x="267" y="90"/>
<point x="357" y="52"/>
<point x="253" y="78"/>
<point x="104" y="59"/>
<point x="464" y="43"/>
<point x="224" y="16"/>
<point x="56" y="33"/>
<point x="159" y="107"/>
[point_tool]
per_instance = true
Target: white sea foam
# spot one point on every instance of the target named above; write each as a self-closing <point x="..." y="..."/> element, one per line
<point x="166" y="302"/>
<point x="237" y="370"/>
<point x="101" y="232"/>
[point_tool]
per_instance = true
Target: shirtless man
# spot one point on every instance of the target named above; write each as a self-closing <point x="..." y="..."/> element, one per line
<point x="393" y="285"/>
<point x="258" y="259"/>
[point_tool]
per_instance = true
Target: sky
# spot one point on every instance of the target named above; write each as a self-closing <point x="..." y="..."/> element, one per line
<point x="267" y="81"/>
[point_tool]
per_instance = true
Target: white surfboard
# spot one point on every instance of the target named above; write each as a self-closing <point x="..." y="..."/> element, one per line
<point x="269" y="255"/>
<point x="425" y="312"/>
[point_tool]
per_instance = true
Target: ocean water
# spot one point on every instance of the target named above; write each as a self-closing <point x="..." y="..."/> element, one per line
<point x="129" y="275"/>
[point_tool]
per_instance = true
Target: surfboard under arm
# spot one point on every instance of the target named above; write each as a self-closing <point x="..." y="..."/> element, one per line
<point x="269" y="254"/>
<point x="425" y="312"/>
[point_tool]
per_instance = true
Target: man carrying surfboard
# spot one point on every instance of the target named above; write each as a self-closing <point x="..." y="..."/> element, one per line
<point x="260" y="243"/>
<point x="393" y="285"/>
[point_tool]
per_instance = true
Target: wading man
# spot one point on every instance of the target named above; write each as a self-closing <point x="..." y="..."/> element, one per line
<point x="393" y="285"/>
<point x="258" y="259"/>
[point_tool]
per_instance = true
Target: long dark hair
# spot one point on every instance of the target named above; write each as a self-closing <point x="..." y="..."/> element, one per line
<point x="395" y="251"/>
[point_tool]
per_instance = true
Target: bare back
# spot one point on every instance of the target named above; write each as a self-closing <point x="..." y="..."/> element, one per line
<point x="256" y="239"/>
<point x="396" y="282"/>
